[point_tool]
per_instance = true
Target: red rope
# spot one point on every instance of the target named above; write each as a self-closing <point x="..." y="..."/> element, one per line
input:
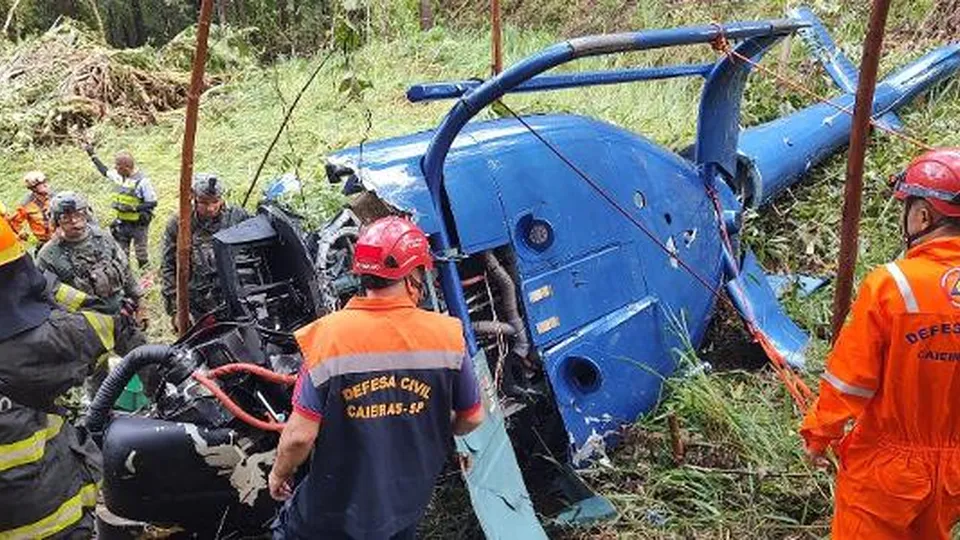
<point x="798" y="389"/>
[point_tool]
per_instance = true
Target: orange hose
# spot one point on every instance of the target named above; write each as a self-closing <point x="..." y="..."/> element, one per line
<point x="261" y="372"/>
<point x="232" y="406"/>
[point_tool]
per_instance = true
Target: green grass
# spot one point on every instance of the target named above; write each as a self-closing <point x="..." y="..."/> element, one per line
<point x="744" y="474"/>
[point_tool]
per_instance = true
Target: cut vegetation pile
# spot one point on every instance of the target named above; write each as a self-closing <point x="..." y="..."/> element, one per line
<point x="68" y="80"/>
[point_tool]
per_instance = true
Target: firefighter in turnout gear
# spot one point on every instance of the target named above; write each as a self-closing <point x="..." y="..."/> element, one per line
<point x="87" y="259"/>
<point x="35" y="209"/>
<point x="211" y="213"/>
<point x="895" y="373"/>
<point x="134" y="201"/>
<point x="48" y="468"/>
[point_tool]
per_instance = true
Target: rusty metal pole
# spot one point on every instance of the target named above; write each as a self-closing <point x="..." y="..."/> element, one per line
<point x="859" y="139"/>
<point x="186" y="167"/>
<point x="497" y="36"/>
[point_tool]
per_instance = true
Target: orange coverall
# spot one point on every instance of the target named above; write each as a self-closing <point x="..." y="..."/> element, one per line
<point x="895" y="371"/>
<point x="36" y="216"/>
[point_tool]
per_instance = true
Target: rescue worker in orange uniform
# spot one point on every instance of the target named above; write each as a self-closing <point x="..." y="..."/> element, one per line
<point x="384" y="387"/>
<point x="895" y="373"/>
<point x="35" y="209"/>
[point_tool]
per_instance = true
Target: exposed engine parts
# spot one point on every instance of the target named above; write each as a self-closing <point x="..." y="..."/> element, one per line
<point x="226" y="387"/>
<point x="334" y="255"/>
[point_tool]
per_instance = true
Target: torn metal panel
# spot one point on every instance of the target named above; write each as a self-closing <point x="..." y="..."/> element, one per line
<point x="838" y="66"/>
<point x="586" y="512"/>
<point x="757" y="304"/>
<point x="496" y="486"/>
<point x="587" y="370"/>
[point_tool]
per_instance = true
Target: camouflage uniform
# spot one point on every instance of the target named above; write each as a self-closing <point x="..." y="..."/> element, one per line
<point x="96" y="267"/>
<point x="204" y="290"/>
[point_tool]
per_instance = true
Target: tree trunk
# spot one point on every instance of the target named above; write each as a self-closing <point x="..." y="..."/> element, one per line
<point x="282" y="15"/>
<point x="68" y="8"/>
<point x="139" y="28"/>
<point x="426" y="15"/>
<point x="222" y="7"/>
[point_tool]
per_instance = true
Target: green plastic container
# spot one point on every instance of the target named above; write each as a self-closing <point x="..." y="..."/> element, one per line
<point x="132" y="399"/>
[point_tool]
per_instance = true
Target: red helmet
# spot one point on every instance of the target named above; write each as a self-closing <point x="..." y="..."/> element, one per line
<point x="391" y="248"/>
<point x="934" y="177"/>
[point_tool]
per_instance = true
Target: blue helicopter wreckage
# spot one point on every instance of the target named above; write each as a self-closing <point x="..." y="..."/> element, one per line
<point x="569" y="247"/>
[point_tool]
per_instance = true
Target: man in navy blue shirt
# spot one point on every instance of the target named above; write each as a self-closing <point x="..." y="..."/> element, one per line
<point x="390" y="384"/>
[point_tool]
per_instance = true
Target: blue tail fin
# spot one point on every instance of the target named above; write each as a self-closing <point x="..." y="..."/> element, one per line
<point x="840" y="68"/>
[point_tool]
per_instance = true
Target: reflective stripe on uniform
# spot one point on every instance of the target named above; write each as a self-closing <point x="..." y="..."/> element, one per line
<point x="847" y="388"/>
<point x="125" y="199"/>
<point x="909" y="300"/>
<point x="32" y="448"/>
<point x="103" y="326"/>
<point x="386" y="361"/>
<point x="70" y="298"/>
<point x="128" y="216"/>
<point x="66" y="515"/>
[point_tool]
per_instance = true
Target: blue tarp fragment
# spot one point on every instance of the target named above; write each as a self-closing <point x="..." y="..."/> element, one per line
<point x="497" y="491"/>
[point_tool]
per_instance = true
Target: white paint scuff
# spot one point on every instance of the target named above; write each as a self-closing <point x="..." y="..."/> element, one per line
<point x="248" y="473"/>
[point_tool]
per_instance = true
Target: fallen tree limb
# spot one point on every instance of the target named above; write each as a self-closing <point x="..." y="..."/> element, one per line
<point x="13" y="8"/>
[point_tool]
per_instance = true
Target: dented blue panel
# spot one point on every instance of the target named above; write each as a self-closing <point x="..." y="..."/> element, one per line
<point x="391" y="168"/>
<point x="583" y="283"/>
<point x="606" y="375"/>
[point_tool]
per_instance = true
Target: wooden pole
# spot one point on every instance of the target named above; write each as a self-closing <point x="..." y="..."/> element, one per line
<point x="497" y="36"/>
<point x="186" y="167"/>
<point x="676" y="439"/>
<point x="859" y="139"/>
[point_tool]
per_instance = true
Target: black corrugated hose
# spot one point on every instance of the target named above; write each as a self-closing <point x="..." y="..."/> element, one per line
<point x="117" y="380"/>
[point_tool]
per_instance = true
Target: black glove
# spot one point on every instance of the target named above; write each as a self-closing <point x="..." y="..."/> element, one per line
<point x="129" y="307"/>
